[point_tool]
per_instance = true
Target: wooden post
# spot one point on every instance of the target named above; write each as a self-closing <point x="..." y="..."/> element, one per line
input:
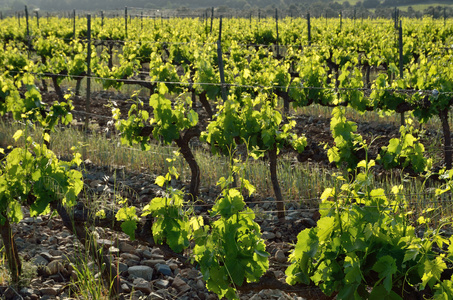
<point x="400" y="42"/>
<point x="74" y="24"/>
<point x="212" y="18"/>
<point x="28" y="32"/>
<point x="102" y="18"/>
<point x="276" y="27"/>
<point x="88" y="100"/>
<point x="220" y="58"/>
<point x="309" y="28"/>
<point x="125" y="22"/>
<point x="341" y="20"/>
<point x="26" y="20"/>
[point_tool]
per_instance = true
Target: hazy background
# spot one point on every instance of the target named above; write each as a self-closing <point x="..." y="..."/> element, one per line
<point x="363" y="8"/>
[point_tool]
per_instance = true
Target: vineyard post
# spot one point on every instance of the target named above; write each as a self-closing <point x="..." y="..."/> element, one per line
<point x="125" y="21"/>
<point x="47" y="17"/>
<point x="206" y="24"/>
<point x="259" y="16"/>
<point x="28" y="31"/>
<point x="73" y="24"/>
<point x="448" y="151"/>
<point x="87" y="103"/>
<point x="341" y="20"/>
<point x="212" y="18"/>
<point x="400" y="42"/>
<point x="445" y="16"/>
<point x="276" y="28"/>
<point x="102" y="18"/>
<point x="354" y="16"/>
<point x="219" y="54"/>
<point x="37" y="18"/>
<point x="18" y="18"/>
<point x="161" y="19"/>
<point x="309" y="29"/>
<point x="141" y="20"/>
<point x="250" y="21"/>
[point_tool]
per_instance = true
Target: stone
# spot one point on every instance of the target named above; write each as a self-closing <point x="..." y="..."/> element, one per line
<point x="144" y="272"/>
<point x="55" y="267"/>
<point x="268" y="235"/>
<point x="180" y="285"/>
<point x="164" y="269"/>
<point x="200" y="284"/>
<point x="122" y="267"/>
<point x="255" y="297"/>
<point x="152" y="262"/>
<point x="142" y="285"/>
<point x="48" y="291"/>
<point x="125" y="288"/>
<point x="161" y="283"/>
<point x="105" y="242"/>
<point x="129" y="256"/>
<point x="155" y="296"/>
<point x="147" y="254"/>
<point x="26" y="291"/>
<point x="280" y="256"/>
<point x="125" y="247"/>
<point x="114" y="250"/>
<point x="308" y="222"/>
<point x="40" y="261"/>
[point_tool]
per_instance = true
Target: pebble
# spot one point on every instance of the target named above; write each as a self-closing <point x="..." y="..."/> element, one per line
<point x="55" y="267"/>
<point x="268" y="235"/>
<point x="129" y="256"/>
<point x="144" y="272"/>
<point x="152" y="262"/>
<point x="161" y="283"/>
<point x="280" y="256"/>
<point x="142" y="285"/>
<point x="180" y="285"/>
<point x="48" y="291"/>
<point x="39" y="260"/>
<point x="125" y="247"/>
<point x="164" y="269"/>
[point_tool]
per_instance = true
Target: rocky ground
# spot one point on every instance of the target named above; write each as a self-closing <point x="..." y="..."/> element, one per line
<point x="52" y="255"/>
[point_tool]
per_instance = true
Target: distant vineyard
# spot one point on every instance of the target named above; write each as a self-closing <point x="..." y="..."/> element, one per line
<point x="249" y="75"/>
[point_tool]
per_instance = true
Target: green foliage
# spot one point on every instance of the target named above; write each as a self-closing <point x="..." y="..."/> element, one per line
<point x="171" y="219"/>
<point x="34" y="176"/>
<point x="230" y="252"/>
<point x="365" y="248"/>
<point x="128" y="215"/>
<point x="168" y="119"/>
<point x="254" y="120"/>
<point x="407" y="151"/>
<point x="347" y="143"/>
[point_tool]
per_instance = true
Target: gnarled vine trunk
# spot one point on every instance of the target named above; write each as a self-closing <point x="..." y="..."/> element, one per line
<point x="12" y="255"/>
<point x="275" y="184"/>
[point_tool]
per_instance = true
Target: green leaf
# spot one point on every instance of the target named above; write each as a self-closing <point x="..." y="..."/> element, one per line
<point x="17" y="135"/>
<point x="160" y="181"/>
<point x="129" y="227"/>
<point x="386" y="268"/>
